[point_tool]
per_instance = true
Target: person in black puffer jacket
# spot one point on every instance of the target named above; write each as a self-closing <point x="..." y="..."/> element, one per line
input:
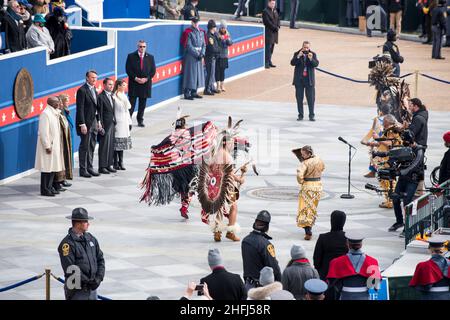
<point x="330" y="245"/>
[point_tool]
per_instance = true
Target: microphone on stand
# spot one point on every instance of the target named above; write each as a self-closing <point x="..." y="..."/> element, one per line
<point x="348" y="195"/>
<point x="344" y="141"/>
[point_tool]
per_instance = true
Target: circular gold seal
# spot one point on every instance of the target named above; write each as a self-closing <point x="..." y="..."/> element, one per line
<point x="23" y="93"/>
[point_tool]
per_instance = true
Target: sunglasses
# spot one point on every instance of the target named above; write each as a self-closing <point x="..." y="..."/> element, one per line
<point x="142" y="46"/>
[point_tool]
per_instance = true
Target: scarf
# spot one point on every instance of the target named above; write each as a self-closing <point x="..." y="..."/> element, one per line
<point x="14" y="15"/>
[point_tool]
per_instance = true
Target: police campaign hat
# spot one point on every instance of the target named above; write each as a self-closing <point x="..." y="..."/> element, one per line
<point x="438" y="241"/>
<point x="263" y="216"/>
<point x="354" y="237"/>
<point x="79" y="214"/>
<point x="316" y="286"/>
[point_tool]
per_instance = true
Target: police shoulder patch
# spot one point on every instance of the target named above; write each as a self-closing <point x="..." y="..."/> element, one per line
<point x="192" y="13"/>
<point x="271" y="250"/>
<point x="65" y="249"/>
<point x="211" y="41"/>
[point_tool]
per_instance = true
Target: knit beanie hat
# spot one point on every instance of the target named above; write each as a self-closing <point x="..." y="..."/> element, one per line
<point x="298" y="252"/>
<point x="266" y="276"/>
<point x="214" y="258"/>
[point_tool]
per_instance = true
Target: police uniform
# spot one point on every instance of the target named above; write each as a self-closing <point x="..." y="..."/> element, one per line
<point x="349" y="274"/>
<point x="432" y="277"/>
<point x="190" y="11"/>
<point x="316" y="287"/>
<point x="82" y="252"/>
<point x="258" y="252"/>
<point x="212" y="52"/>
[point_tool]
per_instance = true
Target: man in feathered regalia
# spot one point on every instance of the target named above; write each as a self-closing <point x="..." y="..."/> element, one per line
<point x="392" y="92"/>
<point x="218" y="183"/>
<point x="197" y="159"/>
<point x="174" y="163"/>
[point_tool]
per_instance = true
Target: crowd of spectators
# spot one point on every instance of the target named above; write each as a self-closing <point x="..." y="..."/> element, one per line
<point x="35" y="23"/>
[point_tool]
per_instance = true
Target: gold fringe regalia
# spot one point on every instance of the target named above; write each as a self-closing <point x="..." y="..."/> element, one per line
<point x="310" y="191"/>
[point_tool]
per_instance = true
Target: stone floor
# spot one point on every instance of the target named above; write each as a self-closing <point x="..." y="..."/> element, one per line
<point x="152" y="250"/>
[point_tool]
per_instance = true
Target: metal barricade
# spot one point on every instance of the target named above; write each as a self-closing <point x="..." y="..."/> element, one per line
<point x="428" y="216"/>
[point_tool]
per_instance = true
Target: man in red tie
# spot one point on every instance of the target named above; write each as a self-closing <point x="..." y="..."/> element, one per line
<point x="305" y="61"/>
<point x="140" y="67"/>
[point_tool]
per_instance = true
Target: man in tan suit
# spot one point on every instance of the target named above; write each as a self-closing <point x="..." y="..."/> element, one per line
<point x="49" y="152"/>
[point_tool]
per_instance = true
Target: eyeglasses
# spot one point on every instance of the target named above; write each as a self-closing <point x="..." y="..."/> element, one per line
<point x="142" y="46"/>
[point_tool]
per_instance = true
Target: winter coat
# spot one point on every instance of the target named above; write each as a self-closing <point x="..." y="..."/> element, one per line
<point x="49" y="136"/>
<point x="14" y="33"/>
<point x="224" y="285"/>
<point x="271" y="21"/>
<point x="122" y="115"/>
<point x="37" y="37"/>
<point x="264" y="293"/>
<point x="193" y="71"/>
<point x="133" y="69"/>
<point x="419" y="126"/>
<point x="295" y="276"/>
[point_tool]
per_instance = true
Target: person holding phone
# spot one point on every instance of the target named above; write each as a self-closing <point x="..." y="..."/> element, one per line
<point x="305" y="61"/>
<point x="202" y="290"/>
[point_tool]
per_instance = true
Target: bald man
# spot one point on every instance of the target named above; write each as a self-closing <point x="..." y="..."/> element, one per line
<point x="49" y="152"/>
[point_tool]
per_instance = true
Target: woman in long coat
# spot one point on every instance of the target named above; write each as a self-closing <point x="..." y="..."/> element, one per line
<point x="66" y="140"/>
<point x="122" y="137"/>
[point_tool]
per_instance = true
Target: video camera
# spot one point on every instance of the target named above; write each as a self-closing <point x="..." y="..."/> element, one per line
<point x="399" y="158"/>
<point x="379" y="58"/>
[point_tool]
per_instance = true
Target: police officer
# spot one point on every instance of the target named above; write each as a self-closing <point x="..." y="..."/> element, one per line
<point x="315" y="289"/>
<point x="439" y="28"/>
<point x="190" y="10"/>
<point x="81" y="259"/>
<point x="351" y="274"/>
<point x="258" y="252"/>
<point x="212" y="52"/>
<point x="432" y="277"/>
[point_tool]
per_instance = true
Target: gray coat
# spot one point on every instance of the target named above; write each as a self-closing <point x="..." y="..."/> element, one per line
<point x="295" y="276"/>
<point x="194" y="76"/>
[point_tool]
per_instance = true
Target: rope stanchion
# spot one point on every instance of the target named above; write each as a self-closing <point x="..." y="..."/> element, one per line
<point x="341" y="77"/>
<point x="435" y="79"/>
<point x="59" y="279"/>
<point x="354" y="80"/>
<point x="21" y="283"/>
<point x="406" y="75"/>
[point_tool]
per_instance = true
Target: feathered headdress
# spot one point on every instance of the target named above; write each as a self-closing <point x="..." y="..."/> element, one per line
<point x="180" y="120"/>
<point x="229" y="133"/>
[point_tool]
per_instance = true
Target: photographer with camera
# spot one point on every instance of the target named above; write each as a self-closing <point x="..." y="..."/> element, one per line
<point x="409" y="174"/>
<point x="305" y="61"/>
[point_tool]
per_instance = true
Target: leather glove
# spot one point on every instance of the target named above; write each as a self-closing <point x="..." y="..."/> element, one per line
<point x="94" y="284"/>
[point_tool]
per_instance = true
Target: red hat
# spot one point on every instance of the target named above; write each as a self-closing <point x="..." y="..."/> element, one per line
<point x="446" y="137"/>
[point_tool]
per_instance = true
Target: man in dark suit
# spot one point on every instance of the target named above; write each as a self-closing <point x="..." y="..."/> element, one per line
<point x="305" y="61"/>
<point x="141" y="68"/>
<point x="108" y="121"/>
<point x="271" y="21"/>
<point x="223" y="285"/>
<point x="88" y="124"/>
